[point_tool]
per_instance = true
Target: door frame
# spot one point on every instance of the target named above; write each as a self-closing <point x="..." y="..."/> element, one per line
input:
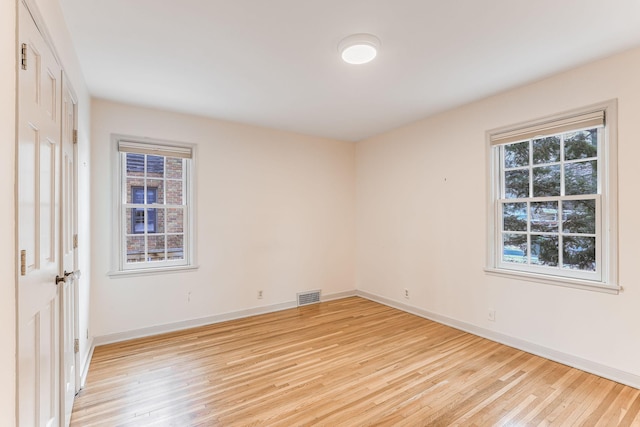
<point x="67" y="89"/>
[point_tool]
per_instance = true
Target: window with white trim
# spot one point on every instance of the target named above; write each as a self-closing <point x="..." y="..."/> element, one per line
<point x="552" y="207"/>
<point x="155" y="221"/>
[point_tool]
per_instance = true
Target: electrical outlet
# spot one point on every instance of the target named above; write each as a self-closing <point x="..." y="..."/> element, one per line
<point x="492" y="315"/>
<point x="259" y="294"/>
<point x="406" y="293"/>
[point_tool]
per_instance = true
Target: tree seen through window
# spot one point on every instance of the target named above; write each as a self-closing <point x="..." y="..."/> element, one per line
<point x="548" y="201"/>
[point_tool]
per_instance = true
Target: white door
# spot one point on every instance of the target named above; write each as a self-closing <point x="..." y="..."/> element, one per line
<point x="38" y="228"/>
<point x="69" y="257"/>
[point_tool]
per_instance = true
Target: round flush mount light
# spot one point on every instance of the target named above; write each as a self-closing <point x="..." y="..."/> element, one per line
<point x="359" y="48"/>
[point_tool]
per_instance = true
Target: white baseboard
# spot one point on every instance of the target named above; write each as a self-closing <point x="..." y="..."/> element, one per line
<point x="209" y="320"/>
<point x="187" y="324"/>
<point x="87" y="361"/>
<point x="339" y="295"/>
<point x="595" y="368"/>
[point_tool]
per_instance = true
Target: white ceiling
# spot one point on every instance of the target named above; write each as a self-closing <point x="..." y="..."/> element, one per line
<point x="274" y="63"/>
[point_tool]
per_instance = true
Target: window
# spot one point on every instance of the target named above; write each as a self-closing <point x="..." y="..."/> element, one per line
<point x="553" y="198"/>
<point x="154" y="205"/>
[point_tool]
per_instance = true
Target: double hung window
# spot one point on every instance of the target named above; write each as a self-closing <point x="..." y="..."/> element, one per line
<point x="154" y="204"/>
<point x="552" y="187"/>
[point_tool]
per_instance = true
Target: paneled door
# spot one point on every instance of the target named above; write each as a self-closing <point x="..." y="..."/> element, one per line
<point x="68" y="249"/>
<point x="38" y="164"/>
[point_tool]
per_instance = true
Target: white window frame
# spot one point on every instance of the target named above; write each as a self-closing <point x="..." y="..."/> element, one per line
<point x="605" y="279"/>
<point x="122" y="144"/>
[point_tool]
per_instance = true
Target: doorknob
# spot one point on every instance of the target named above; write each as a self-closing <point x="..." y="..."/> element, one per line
<point x="60" y="279"/>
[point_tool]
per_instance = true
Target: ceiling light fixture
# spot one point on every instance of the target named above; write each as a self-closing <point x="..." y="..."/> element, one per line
<point x="359" y="48"/>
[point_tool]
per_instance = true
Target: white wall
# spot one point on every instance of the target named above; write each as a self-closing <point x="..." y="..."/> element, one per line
<point x="421" y="221"/>
<point x="275" y="211"/>
<point x="8" y="265"/>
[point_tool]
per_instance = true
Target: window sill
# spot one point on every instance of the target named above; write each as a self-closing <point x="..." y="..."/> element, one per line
<point x="152" y="271"/>
<point x="556" y="281"/>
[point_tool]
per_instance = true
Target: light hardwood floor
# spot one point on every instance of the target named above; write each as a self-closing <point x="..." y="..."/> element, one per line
<point x="350" y="362"/>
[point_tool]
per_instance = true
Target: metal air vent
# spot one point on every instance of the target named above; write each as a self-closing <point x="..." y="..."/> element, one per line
<point x="310" y="297"/>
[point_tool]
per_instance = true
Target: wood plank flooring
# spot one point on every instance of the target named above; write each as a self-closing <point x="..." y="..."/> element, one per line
<point x="350" y="362"/>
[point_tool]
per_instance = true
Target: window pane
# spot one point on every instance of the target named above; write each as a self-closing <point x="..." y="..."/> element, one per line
<point x="514" y="217"/>
<point x="516" y="184"/>
<point x="137" y="195"/>
<point x="175" y="220"/>
<point x="544" y="216"/>
<point x="581" y="145"/>
<point x="546" y="150"/>
<point x="135" y="190"/>
<point x="544" y="250"/>
<point x="174" y="168"/>
<point x="579" y="253"/>
<point x="156" y="220"/>
<point x="175" y="248"/>
<point x="156" y="247"/>
<point x="155" y="191"/>
<point x="579" y="216"/>
<point x="581" y="178"/>
<point x="152" y="221"/>
<point x="155" y="166"/>
<point x="546" y="181"/>
<point x="514" y="248"/>
<point x="152" y="195"/>
<point x="516" y="155"/>
<point x="174" y="192"/>
<point x="135" y="221"/>
<point x="135" y="164"/>
<point x="135" y="249"/>
<point x="130" y="220"/>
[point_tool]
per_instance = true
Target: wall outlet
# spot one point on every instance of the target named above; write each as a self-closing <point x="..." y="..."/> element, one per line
<point x="259" y="294"/>
<point x="406" y="293"/>
<point x="492" y="315"/>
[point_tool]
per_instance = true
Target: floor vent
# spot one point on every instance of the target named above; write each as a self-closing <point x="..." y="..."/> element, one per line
<point x="306" y="298"/>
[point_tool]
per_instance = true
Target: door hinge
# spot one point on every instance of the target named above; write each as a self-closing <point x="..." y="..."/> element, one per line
<point x="75" y="241"/>
<point x="23" y="55"/>
<point x="23" y="262"/>
<point x="75" y="136"/>
<point x="76" y="345"/>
